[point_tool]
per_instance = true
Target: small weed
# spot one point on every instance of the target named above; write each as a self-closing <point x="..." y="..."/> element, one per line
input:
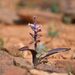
<point x="67" y="19"/>
<point x="52" y="31"/>
<point x="54" y="7"/>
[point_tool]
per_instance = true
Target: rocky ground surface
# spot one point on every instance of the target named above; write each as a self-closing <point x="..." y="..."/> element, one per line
<point x="15" y="33"/>
<point x="16" y="36"/>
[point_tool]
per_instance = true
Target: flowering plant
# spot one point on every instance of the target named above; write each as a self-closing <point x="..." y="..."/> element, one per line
<point x="37" y="60"/>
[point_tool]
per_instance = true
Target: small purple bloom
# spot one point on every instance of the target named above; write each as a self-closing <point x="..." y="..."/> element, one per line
<point x="35" y="28"/>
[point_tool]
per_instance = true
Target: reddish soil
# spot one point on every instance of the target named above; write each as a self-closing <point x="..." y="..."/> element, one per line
<point x="16" y="36"/>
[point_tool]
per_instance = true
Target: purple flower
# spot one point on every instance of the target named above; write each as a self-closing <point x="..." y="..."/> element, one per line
<point x="36" y="28"/>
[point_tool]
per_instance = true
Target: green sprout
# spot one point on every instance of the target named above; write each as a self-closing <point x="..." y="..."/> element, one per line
<point x="55" y="7"/>
<point x="52" y="31"/>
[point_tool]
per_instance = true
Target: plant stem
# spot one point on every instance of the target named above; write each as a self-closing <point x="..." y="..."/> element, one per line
<point x="35" y="34"/>
<point x="35" y="39"/>
<point x="35" y="42"/>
